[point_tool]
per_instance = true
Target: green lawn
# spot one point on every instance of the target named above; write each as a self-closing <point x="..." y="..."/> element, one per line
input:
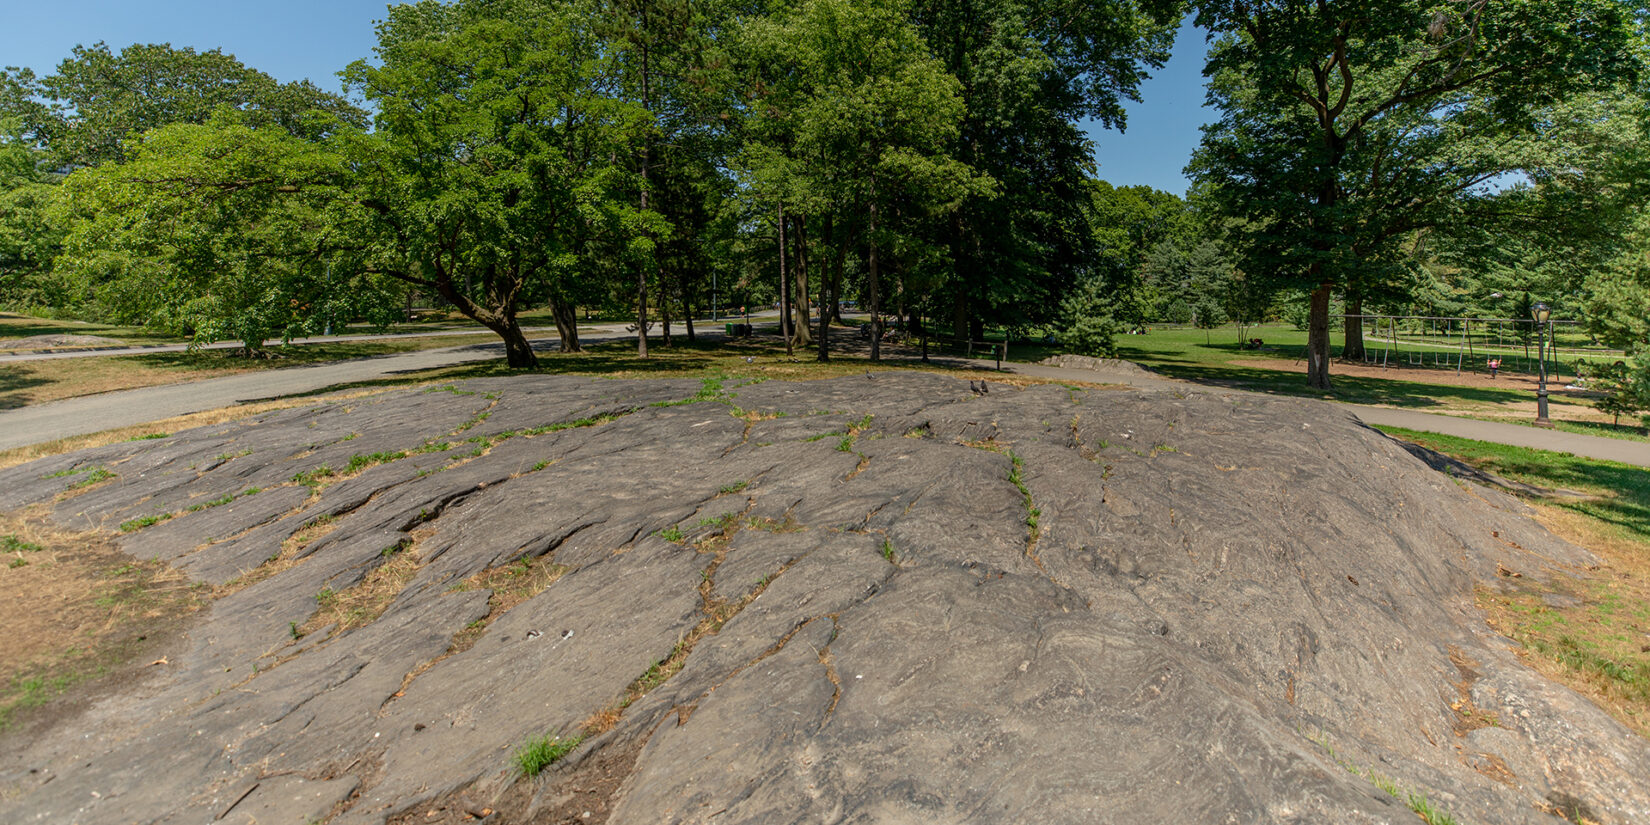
<point x="1214" y="357"/>
<point x="1618" y="495"/>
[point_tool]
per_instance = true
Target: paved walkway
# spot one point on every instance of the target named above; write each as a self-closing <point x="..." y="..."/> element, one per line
<point x="95" y="413"/>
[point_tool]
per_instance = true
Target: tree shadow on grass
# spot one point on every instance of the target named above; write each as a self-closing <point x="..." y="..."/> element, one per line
<point x="14" y="381"/>
<point x="1628" y="508"/>
<point x="1350" y="389"/>
<point x="219" y="360"/>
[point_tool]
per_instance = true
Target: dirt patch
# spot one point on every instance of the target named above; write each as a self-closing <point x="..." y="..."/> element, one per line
<point x="79" y="612"/>
<point x="580" y="792"/>
<point x="1420" y="375"/>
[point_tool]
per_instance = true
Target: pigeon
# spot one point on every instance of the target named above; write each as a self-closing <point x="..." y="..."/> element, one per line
<point x="868" y="376"/>
<point x="749" y="359"/>
<point x="974" y="387"/>
<point x="984" y="388"/>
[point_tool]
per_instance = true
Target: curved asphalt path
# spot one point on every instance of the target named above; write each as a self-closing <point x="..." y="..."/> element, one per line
<point x="105" y="411"/>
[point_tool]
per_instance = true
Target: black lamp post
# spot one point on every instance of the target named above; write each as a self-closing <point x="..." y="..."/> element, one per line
<point x="1541" y="313"/>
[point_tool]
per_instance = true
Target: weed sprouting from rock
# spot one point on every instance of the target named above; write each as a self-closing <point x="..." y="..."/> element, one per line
<point x="541" y="752"/>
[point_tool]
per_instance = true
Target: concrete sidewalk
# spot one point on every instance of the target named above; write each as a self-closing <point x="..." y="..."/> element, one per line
<point x="87" y="414"/>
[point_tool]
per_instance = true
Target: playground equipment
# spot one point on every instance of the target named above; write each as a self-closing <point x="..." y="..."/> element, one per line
<point x="1463" y="344"/>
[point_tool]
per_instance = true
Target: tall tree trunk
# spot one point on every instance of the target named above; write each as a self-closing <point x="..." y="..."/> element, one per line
<point x="799" y="269"/>
<point x="664" y="311"/>
<point x="871" y="265"/>
<point x="1353" y="349"/>
<point x="518" y="353"/>
<point x="567" y="324"/>
<point x="687" y="312"/>
<point x="1317" y="339"/>
<point x="1317" y="325"/>
<point x="837" y="267"/>
<point x="647" y="161"/>
<point x="784" y="287"/>
<point x="827" y="301"/>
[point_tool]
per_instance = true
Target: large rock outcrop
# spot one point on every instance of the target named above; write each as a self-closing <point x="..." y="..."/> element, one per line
<point x="882" y="599"/>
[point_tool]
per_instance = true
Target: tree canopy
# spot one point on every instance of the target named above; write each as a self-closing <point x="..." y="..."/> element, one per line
<point x="920" y="157"/>
<point x="1347" y="125"/>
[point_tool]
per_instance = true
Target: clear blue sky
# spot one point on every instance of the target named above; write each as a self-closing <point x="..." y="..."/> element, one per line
<point x="289" y="39"/>
<point x="314" y="39"/>
<point x="1163" y="128"/>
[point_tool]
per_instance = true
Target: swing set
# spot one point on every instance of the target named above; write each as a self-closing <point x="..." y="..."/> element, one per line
<point x="1450" y="343"/>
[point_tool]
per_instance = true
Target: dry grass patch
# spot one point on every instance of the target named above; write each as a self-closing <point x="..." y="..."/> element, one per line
<point x="362" y="604"/>
<point x="509" y="586"/>
<point x="1590" y="632"/>
<point x="283" y="559"/>
<point x="77" y="608"/>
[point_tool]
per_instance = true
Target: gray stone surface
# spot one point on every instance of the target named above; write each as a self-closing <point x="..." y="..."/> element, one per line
<point x="1230" y="609"/>
<point x="1116" y="366"/>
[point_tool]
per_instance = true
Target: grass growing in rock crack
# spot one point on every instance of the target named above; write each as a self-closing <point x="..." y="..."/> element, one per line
<point x="509" y="585"/>
<point x="710" y="389"/>
<point x="1589" y="632"/>
<point x="156" y="518"/>
<point x="1016" y="477"/>
<point x="1416" y="801"/>
<point x="541" y="752"/>
<point x="93" y="475"/>
<point x="364" y="602"/>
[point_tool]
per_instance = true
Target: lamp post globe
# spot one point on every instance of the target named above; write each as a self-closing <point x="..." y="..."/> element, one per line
<point x="1542" y="315"/>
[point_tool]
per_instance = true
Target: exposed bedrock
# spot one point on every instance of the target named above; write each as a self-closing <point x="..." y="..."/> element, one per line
<point x="883" y="599"/>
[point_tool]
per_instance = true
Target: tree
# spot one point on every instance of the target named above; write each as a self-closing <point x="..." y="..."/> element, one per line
<point x="217" y="231"/>
<point x="1028" y="72"/>
<point x="491" y="169"/>
<point x="1617" y="305"/>
<point x="872" y="113"/>
<point x="97" y="100"/>
<point x="1623" y="394"/>
<point x="1347" y="125"/>
<point x="1140" y="240"/>
<point x="29" y="239"/>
